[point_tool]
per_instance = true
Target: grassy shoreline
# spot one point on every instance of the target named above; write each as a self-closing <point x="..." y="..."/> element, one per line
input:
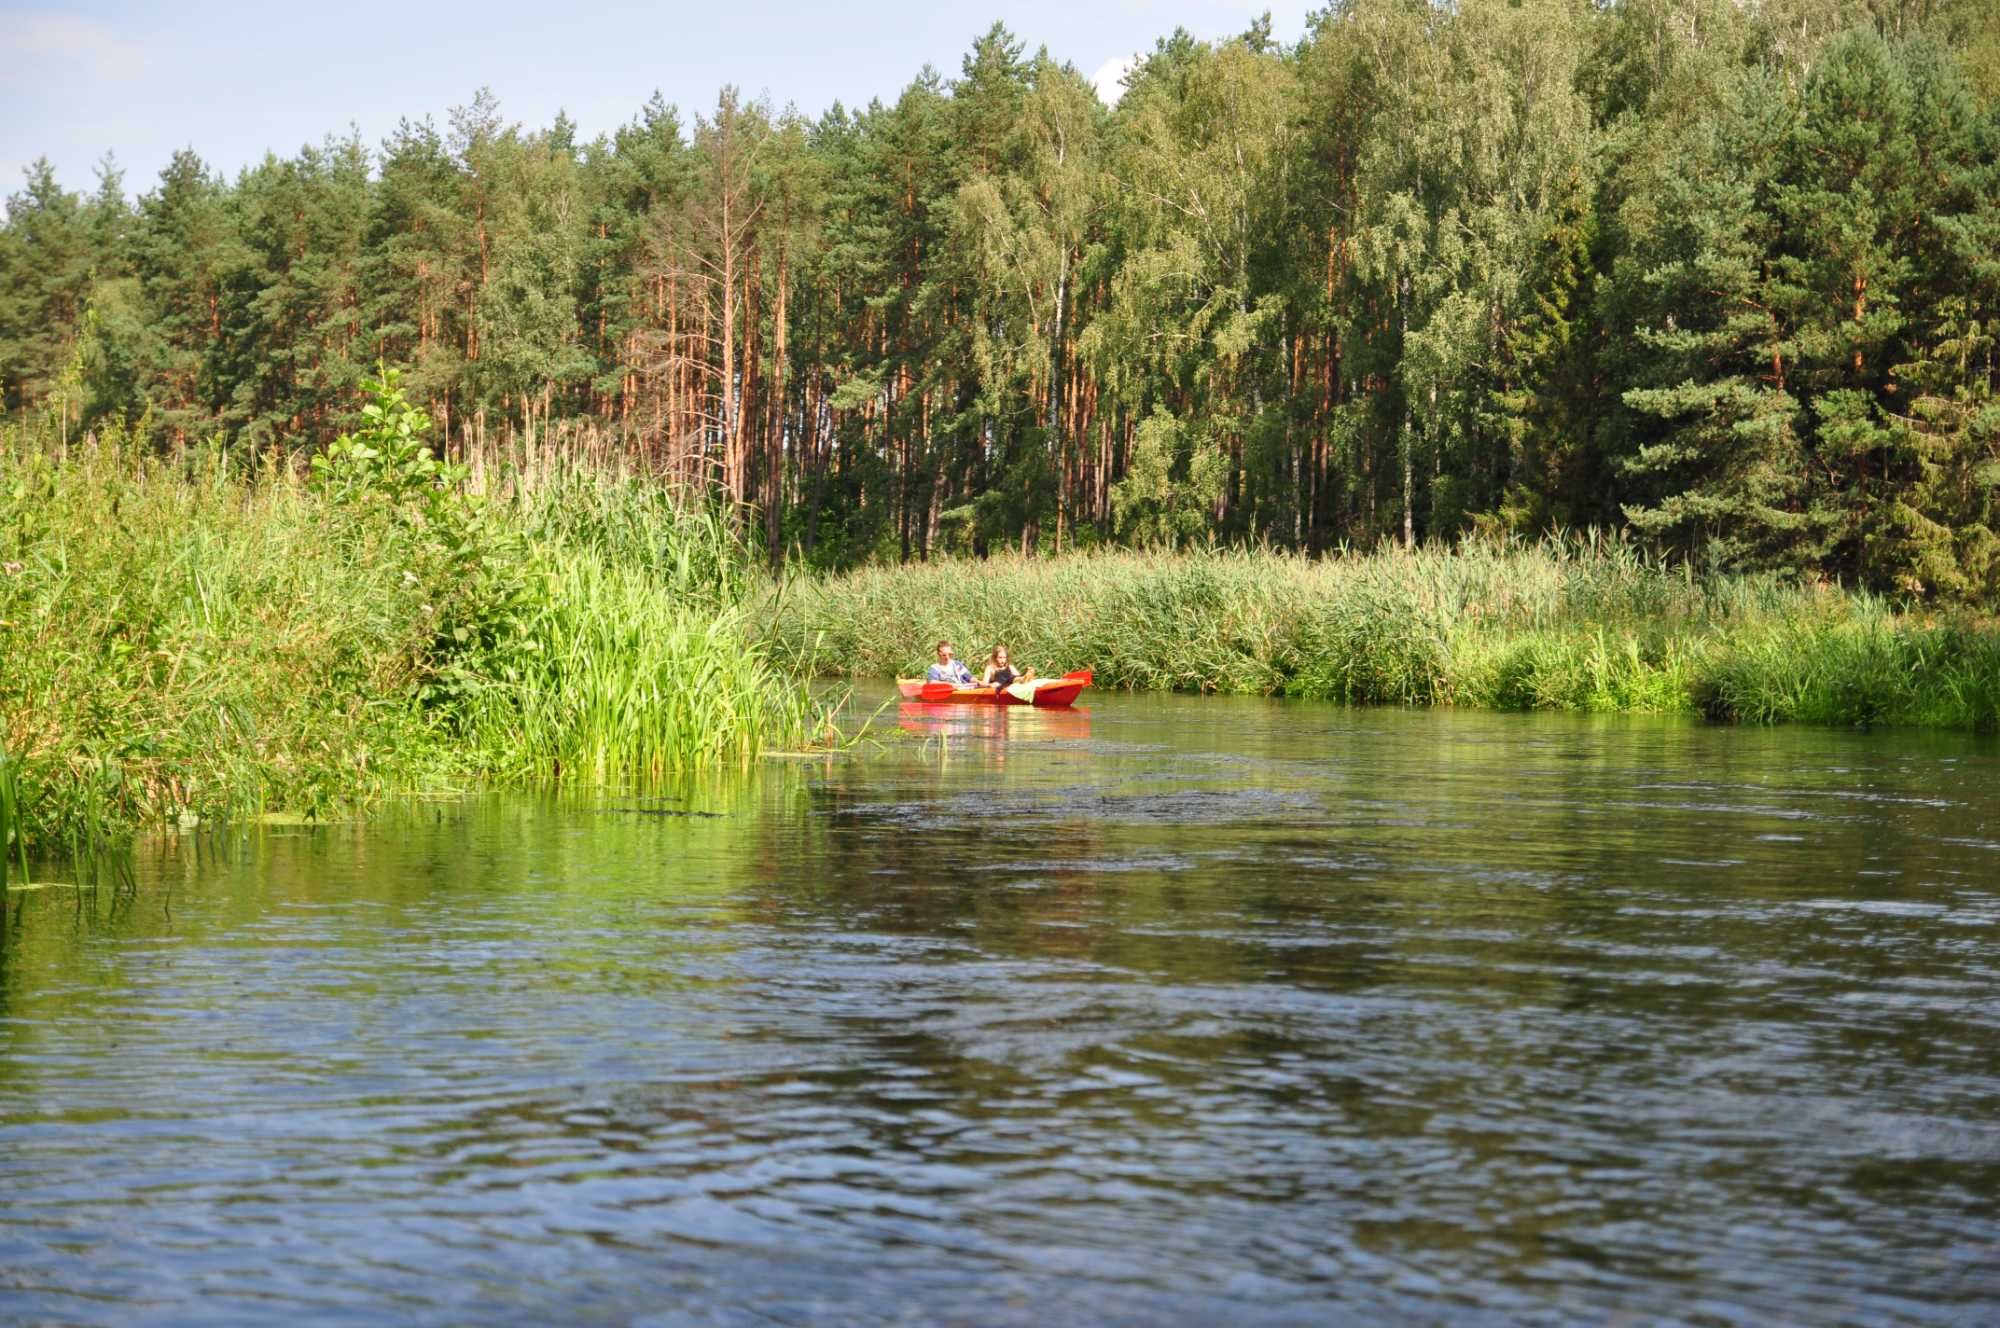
<point x="183" y="641"/>
<point x="1584" y="625"/>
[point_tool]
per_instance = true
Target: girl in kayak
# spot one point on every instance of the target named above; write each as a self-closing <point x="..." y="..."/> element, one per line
<point x="1000" y="671"/>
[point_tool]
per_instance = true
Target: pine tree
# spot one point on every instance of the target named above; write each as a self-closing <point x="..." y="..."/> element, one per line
<point x="1943" y="532"/>
<point x="183" y="241"/>
<point x="47" y="268"/>
<point x="1724" y="469"/>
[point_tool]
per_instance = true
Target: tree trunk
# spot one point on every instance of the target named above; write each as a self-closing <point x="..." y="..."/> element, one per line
<point x="774" y="490"/>
<point x="1409" y="524"/>
<point x="728" y="422"/>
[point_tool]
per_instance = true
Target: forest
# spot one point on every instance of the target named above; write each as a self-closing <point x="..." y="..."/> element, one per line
<point x="1721" y="276"/>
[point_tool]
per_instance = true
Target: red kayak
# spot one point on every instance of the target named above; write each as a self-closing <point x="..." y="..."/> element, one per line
<point x="1044" y="693"/>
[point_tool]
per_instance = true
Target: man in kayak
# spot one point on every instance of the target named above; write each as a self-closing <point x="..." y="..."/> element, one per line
<point x="948" y="669"/>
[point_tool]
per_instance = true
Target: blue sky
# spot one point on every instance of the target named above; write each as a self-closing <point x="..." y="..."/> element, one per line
<point x="234" y="80"/>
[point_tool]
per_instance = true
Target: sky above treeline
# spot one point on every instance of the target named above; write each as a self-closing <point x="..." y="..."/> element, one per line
<point x="234" y="80"/>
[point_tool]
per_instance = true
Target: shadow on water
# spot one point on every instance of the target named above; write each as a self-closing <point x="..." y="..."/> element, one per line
<point x="1171" y="1010"/>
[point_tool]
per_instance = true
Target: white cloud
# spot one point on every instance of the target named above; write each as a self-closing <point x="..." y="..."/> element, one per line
<point x="1109" y="80"/>
<point x="42" y="45"/>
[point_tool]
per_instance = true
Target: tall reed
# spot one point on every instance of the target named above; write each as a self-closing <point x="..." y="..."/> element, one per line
<point x="1586" y="623"/>
<point x="192" y="639"/>
<point x="617" y="677"/>
<point x="13" y="844"/>
<point x="639" y="658"/>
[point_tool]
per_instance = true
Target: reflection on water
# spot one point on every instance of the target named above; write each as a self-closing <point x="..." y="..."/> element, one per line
<point x="1172" y="1010"/>
<point x="1013" y="724"/>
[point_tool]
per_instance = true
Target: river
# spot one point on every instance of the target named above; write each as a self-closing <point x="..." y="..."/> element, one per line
<point x="1178" y="1010"/>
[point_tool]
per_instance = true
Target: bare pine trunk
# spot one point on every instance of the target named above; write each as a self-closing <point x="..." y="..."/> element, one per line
<point x="1409" y="523"/>
<point x="730" y="478"/>
<point x="774" y="490"/>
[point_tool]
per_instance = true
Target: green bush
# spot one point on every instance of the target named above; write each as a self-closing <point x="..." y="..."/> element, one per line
<point x="476" y="571"/>
<point x="1370" y="643"/>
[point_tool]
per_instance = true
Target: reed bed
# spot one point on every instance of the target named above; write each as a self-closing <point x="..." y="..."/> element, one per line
<point x="639" y="658"/>
<point x="189" y="641"/>
<point x="1587" y="623"/>
<point x="180" y="648"/>
<point x="13" y="846"/>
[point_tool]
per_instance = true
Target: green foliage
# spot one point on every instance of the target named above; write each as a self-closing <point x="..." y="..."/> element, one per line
<point x="1870" y="669"/>
<point x="625" y="679"/>
<point x="190" y="642"/>
<point x="181" y="644"/>
<point x="1375" y="643"/>
<point x="477" y="573"/>
<point x="1171" y="486"/>
<point x="1585" y="624"/>
<point x="636" y="657"/>
<point x="13" y="836"/>
<point x="1789" y="320"/>
<point x="1589" y="668"/>
<point x="1722" y="274"/>
<point x="390" y="460"/>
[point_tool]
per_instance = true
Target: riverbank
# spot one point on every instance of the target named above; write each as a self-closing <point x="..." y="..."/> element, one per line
<point x="188" y="642"/>
<point x="1589" y="625"/>
<point x="184" y="641"/>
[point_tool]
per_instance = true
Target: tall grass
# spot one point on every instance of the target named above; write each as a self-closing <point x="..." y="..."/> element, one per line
<point x="638" y="658"/>
<point x="180" y="646"/>
<point x="189" y="641"/>
<point x="684" y="546"/>
<point x="13" y="845"/>
<point x="1580" y="624"/>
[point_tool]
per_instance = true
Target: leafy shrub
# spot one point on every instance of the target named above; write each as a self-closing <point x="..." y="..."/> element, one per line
<point x="186" y="642"/>
<point x="476" y="571"/>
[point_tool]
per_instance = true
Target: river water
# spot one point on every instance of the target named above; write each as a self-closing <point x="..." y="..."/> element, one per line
<point x="1182" y="1010"/>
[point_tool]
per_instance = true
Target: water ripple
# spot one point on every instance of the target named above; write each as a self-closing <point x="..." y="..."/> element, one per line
<point x="1233" y="1012"/>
